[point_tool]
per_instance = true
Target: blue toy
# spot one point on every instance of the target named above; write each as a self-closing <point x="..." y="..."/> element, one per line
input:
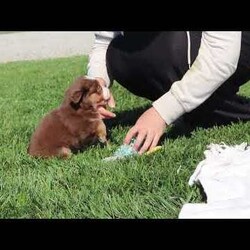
<point x="128" y="150"/>
<point x="123" y="151"/>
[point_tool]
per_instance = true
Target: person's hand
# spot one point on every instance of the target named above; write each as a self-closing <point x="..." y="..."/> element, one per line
<point x="148" y="130"/>
<point x="104" y="113"/>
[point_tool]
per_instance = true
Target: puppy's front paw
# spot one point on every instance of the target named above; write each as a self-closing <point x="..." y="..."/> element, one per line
<point x="108" y="144"/>
<point x="103" y="139"/>
<point x="64" y="153"/>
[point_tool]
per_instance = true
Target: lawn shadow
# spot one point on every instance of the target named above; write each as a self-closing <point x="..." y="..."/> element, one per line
<point x="126" y="117"/>
<point x="129" y="117"/>
<point x="183" y="127"/>
<point x="189" y="122"/>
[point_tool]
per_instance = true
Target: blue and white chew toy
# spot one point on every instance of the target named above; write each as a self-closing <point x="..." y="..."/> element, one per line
<point x="128" y="150"/>
<point x="123" y="151"/>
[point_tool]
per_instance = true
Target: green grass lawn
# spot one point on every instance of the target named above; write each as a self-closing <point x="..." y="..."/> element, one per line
<point x="154" y="186"/>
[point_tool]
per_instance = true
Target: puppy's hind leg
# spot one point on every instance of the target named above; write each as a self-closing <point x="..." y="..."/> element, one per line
<point x="64" y="153"/>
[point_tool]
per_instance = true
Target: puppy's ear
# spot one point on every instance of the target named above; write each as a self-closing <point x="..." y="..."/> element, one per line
<point x="76" y="96"/>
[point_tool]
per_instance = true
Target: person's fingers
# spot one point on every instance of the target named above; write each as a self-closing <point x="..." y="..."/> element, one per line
<point x="131" y="133"/>
<point x="155" y="141"/>
<point x="105" y="117"/>
<point x="111" y="101"/>
<point x="105" y="114"/>
<point x="139" y="139"/>
<point x="101" y="81"/>
<point x="147" y="143"/>
<point x="147" y="130"/>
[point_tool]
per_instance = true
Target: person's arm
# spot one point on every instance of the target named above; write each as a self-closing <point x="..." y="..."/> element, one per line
<point x="216" y="61"/>
<point x="97" y="58"/>
<point x="97" y="66"/>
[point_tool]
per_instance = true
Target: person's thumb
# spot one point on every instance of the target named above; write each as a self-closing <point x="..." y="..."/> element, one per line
<point x="111" y="101"/>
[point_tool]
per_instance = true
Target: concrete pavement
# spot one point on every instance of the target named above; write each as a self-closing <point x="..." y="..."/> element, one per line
<point x="19" y="46"/>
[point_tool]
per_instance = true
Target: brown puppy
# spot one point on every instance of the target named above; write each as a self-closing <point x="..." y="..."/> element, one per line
<point x="74" y="125"/>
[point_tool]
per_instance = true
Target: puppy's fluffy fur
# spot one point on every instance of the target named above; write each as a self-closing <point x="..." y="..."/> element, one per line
<point x="74" y="125"/>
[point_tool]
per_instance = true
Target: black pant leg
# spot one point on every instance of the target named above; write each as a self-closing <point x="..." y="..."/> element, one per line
<point x="148" y="63"/>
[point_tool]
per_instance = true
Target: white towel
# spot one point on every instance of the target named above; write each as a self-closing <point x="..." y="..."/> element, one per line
<point x="225" y="177"/>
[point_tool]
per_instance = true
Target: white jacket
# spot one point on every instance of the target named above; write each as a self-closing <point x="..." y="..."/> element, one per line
<point x="217" y="60"/>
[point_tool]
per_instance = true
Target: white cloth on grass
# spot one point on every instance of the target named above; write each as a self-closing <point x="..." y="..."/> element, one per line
<point x="225" y="178"/>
